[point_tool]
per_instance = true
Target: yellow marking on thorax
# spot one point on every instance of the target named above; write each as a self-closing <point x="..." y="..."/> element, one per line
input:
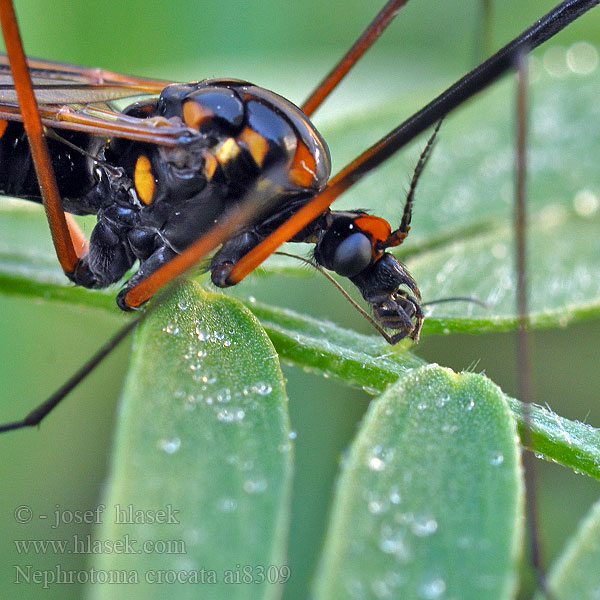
<point x="143" y="179"/>
<point x="227" y="151"/>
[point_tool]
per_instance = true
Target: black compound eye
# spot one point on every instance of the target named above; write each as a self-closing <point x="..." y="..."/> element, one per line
<point x="352" y="255"/>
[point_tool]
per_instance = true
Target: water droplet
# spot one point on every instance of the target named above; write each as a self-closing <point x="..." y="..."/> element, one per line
<point x="190" y="402"/>
<point x="226" y="415"/>
<point x="293" y="434"/>
<point x="169" y="446"/>
<point x="497" y="459"/>
<point x="423" y="526"/>
<point x="171" y="329"/>
<point x="470" y="404"/>
<point x="201" y="334"/>
<point x="448" y="428"/>
<point x="182" y="304"/>
<point x="255" y="486"/>
<point x="582" y="58"/>
<point x="264" y="389"/>
<point x="432" y="588"/>
<point x="217" y="336"/>
<point x="395" y="496"/>
<point x="390" y="545"/>
<point x="376" y="464"/>
<point x="227" y="504"/>
<point x="392" y="541"/>
<point x="375" y="507"/>
<point x="223" y="396"/>
<point x="251" y="299"/>
<point x="586" y="203"/>
<point x="379" y="458"/>
<point x="442" y="401"/>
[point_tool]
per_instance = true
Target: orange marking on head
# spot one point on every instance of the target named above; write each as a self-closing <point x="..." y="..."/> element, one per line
<point x="144" y="179"/>
<point x="194" y="114"/>
<point x="3" y="126"/>
<point x="378" y="228"/>
<point x="256" y="143"/>
<point x="302" y="169"/>
<point x="227" y="151"/>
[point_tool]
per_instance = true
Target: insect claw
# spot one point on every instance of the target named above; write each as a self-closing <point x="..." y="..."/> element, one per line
<point x="82" y="275"/>
<point x="220" y="275"/>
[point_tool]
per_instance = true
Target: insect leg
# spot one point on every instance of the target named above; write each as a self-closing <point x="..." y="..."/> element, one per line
<point x="523" y="338"/>
<point x="80" y="242"/>
<point x="375" y="28"/>
<point x="67" y="252"/>
<point x="36" y="416"/>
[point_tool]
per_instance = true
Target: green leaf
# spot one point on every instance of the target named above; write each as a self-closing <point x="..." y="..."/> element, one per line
<point x="430" y="498"/>
<point x="324" y="348"/>
<point x="575" y="574"/>
<point x="204" y="433"/>
<point x="369" y="363"/>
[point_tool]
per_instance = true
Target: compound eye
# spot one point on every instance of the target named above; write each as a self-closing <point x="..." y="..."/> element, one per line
<point x="352" y="255"/>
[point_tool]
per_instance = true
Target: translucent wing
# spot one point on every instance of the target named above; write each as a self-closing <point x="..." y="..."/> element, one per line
<point x="84" y="99"/>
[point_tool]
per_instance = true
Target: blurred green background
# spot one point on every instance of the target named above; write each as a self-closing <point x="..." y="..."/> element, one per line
<point x="285" y="46"/>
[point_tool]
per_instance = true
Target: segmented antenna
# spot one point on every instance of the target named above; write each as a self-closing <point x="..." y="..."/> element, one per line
<point x="423" y="159"/>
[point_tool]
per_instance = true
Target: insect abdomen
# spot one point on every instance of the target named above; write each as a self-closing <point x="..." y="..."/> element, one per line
<point x="17" y="176"/>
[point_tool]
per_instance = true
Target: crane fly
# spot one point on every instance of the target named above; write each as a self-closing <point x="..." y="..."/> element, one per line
<point x="152" y="138"/>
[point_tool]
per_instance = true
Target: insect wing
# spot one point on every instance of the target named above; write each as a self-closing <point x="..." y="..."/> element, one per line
<point x="88" y="100"/>
<point x="68" y="72"/>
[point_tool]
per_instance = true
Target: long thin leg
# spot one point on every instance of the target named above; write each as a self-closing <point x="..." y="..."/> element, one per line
<point x="483" y="34"/>
<point x="66" y="252"/>
<point x="41" y="411"/>
<point x="375" y="28"/>
<point x="472" y="83"/>
<point x="523" y="338"/>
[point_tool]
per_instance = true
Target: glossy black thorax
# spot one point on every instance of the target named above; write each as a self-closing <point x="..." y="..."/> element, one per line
<point x="241" y="142"/>
<point x="244" y="143"/>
